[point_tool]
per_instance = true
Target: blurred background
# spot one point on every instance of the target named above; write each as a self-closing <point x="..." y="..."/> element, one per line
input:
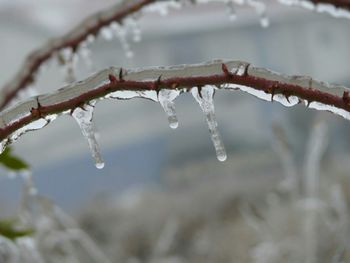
<point x="163" y="196"/>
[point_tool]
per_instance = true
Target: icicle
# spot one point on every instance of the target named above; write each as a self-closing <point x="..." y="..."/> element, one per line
<point x="205" y="100"/>
<point x="121" y="33"/>
<point x="68" y="59"/>
<point x="84" y="116"/>
<point x="134" y="28"/>
<point x="166" y="99"/>
<point x="264" y="20"/>
<point x="260" y="9"/>
<point x="28" y="182"/>
<point x="85" y="54"/>
<point x="231" y="10"/>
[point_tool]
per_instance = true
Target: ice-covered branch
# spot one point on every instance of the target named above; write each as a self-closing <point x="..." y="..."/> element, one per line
<point x="71" y="42"/>
<point x="76" y="40"/>
<point x="337" y="8"/>
<point x="151" y="83"/>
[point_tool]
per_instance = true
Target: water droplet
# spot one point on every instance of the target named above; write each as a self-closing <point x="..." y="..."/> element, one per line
<point x="84" y="117"/>
<point x="205" y="101"/>
<point x="166" y="99"/>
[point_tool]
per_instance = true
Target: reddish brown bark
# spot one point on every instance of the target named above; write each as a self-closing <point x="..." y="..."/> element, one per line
<point x="37" y="58"/>
<point x="116" y="83"/>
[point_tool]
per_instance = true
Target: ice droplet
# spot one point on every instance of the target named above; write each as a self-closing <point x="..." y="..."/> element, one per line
<point x="204" y="97"/>
<point x="121" y="33"/>
<point x="28" y="182"/>
<point x="107" y="33"/>
<point x="134" y="28"/>
<point x="231" y="10"/>
<point x="84" y="116"/>
<point x="166" y="99"/>
<point x="85" y="53"/>
<point x="69" y="60"/>
<point x="264" y="21"/>
<point x="260" y="9"/>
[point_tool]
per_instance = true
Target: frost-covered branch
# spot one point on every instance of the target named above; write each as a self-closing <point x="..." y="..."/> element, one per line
<point x="164" y="84"/>
<point x="78" y="38"/>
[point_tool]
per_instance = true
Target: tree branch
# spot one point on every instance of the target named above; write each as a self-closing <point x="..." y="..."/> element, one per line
<point x="91" y="27"/>
<point x="336" y="8"/>
<point x="236" y="75"/>
<point x="345" y="4"/>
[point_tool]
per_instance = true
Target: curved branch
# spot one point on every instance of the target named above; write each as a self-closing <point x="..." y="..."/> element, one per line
<point x="260" y="82"/>
<point x="92" y="26"/>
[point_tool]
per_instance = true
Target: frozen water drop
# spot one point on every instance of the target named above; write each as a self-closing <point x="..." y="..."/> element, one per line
<point x="231" y="10"/>
<point x="135" y="29"/>
<point x="28" y="182"/>
<point x="264" y="21"/>
<point x="100" y="165"/>
<point x="107" y="33"/>
<point x="85" y="54"/>
<point x="84" y="116"/>
<point x="129" y="54"/>
<point x="204" y="97"/>
<point x="69" y="60"/>
<point x="166" y="99"/>
<point x="90" y="39"/>
<point x="222" y="157"/>
<point x="121" y="33"/>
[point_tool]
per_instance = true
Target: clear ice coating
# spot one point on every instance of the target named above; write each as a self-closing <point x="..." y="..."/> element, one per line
<point x="162" y="7"/>
<point x="166" y="99"/>
<point x="35" y="125"/>
<point x="204" y="97"/>
<point x="84" y="116"/>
